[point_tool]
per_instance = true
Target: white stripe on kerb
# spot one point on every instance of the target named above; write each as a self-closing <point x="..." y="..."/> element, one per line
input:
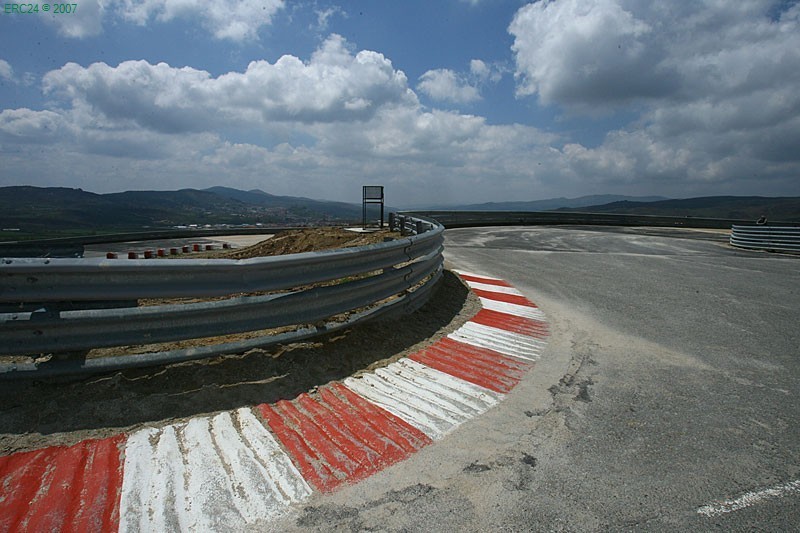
<point x="209" y="474"/>
<point x="512" y="309"/>
<point x="289" y="483"/>
<point x="528" y="352"/>
<point x="749" y="498"/>
<point x="484" y="276"/>
<point x="152" y="483"/>
<point x="469" y="397"/>
<point x="413" y="410"/>
<point x="430" y="400"/>
<point x="493" y="288"/>
<point x="501" y="335"/>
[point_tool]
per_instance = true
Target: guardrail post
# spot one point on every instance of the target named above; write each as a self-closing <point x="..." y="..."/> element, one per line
<point x="392" y="221"/>
<point x="419" y="227"/>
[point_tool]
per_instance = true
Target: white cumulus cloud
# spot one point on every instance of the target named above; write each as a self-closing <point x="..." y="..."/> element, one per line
<point x="714" y="87"/>
<point x="586" y="52"/>
<point x="445" y="85"/>
<point x="30" y="126"/>
<point x="333" y="85"/>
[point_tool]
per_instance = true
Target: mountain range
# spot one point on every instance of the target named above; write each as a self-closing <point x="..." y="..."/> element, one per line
<point x="785" y="209"/>
<point x="54" y="211"/>
<point x="545" y="205"/>
<point x="33" y="212"/>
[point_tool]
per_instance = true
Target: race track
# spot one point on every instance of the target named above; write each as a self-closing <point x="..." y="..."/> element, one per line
<point x="666" y="399"/>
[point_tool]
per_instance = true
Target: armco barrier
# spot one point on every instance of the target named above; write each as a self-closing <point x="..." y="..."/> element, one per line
<point x="782" y="238"/>
<point x="466" y="219"/>
<point x="70" y="306"/>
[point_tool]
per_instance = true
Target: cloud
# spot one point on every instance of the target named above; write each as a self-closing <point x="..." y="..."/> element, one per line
<point x="85" y="21"/>
<point x="727" y="121"/>
<point x="237" y="20"/>
<point x="714" y="88"/>
<point x="26" y="125"/>
<point x="6" y="72"/>
<point x="333" y="85"/>
<point x="417" y="154"/>
<point x="444" y="85"/>
<point x="324" y="16"/>
<point x="482" y="72"/>
<point x="479" y="69"/>
<point x="576" y="52"/>
<point x="331" y="123"/>
<point x="608" y="53"/>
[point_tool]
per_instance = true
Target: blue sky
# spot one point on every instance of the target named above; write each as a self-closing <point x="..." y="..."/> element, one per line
<point x="450" y="101"/>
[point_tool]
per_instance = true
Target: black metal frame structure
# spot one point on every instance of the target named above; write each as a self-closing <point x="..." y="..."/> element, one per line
<point x="371" y="194"/>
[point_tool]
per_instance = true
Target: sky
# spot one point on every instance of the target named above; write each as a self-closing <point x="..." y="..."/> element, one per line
<point x="440" y="101"/>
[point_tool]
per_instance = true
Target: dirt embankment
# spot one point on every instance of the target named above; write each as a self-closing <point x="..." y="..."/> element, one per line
<point x="303" y="240"/>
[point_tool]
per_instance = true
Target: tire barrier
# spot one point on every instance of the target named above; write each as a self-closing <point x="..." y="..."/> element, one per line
<point x="782" y="238"/>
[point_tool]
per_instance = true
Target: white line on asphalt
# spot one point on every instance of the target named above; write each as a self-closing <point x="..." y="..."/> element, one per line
<point x="749" y="498"/>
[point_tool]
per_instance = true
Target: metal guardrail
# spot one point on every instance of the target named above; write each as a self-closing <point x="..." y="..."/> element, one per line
<point x="409" y="224"/>
<point x="64" y="306"/>
<point x="774" y="238"/>
<point x="466" y="219"/>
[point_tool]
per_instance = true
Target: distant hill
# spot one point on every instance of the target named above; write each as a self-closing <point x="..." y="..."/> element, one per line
<point x="259" y="197"/>
<point x="545" y="205"/>
<point x="785" y="209"/>
<point x="55" y="211"/>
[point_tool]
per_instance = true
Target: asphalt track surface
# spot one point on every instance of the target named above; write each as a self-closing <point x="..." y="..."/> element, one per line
<point x="665" y="400"/>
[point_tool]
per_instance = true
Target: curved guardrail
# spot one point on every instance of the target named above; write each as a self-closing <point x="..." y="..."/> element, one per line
<point x="466" y="219"/>
<point x="782" y="238"/>
<point x="69" y="306"/>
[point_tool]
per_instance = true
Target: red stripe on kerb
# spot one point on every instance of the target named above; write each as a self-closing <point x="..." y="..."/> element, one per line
<point x="460" y="357"/>
<point x="481" y="356"/>
<point x="312" y="467"/>
<point x="513" y="323"/>
<point x="480" y="366"/>
<point x="502" y="297"/>
<point x="398" y="430"/>
<point x="340" y="437"/>
<point x="379" y="432"/>
<point x="478" y="279"/>
<point x="74" y="488"/>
